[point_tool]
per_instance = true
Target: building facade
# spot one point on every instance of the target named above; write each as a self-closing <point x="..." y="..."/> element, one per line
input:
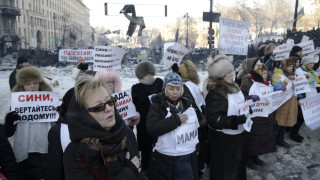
<point x="49" y="24"/>
<point x="9" y="38"/>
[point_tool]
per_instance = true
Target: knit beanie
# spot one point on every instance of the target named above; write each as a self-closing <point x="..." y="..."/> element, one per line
<point x="294" y="50"/>
<point x="22" y="59"/>
<point x="143" y="68"/>
<point x="172" y="79"/>
<point x="220" y="66"/>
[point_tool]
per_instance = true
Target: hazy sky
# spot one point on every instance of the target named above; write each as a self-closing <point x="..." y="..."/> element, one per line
<point x="146" y="8"/>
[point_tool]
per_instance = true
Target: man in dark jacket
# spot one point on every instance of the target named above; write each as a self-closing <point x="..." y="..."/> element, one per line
<point x="21" y="63"/>
<point x="8" y="163"/>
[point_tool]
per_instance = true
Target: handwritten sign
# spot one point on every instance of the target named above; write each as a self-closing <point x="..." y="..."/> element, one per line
<point x="276" y="99"/>
<point x="311" y="111"/>
<point x="301" y="85"/>
<point x="69" y="55"/>
<point x="107" y="57"/>
<point x="233" y="36"/>
<point x="124" y="104"/>
<point x="307" y="46"/>
<point x="282" y="51"/>
<point x="35" y="106"/>
<point x="290" y="41"/>
<point x="173" y="53"/>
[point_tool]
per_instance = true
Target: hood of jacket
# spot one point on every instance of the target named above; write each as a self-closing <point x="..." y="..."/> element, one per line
<point x="221" y="87"/>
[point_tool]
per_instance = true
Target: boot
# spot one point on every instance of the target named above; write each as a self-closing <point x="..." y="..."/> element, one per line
<point x="296" y="138"/>
<point x="283" y="144"/>
<point x="250" y="164"/>
<point x="256" y="160"/>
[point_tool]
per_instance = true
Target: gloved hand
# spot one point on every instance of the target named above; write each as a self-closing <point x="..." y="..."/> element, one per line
<point x="283" y="89"/>
<point x="241" y="119"/>
<point x="255" y="98"/>
<point x="83" y="66"/>
<point x="291" y="78"/>
<point x="11" y="117"/>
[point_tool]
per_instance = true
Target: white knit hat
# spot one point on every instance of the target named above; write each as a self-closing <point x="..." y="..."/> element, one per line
<point x="310" y="58"/>
<point x="220" y="66"/>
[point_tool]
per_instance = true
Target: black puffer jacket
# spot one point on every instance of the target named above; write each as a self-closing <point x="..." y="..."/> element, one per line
<point x="12" y="79"/>
<point x="157" y="125"/>
<point x="8" y="163"/>
<point x="82" y="125"/>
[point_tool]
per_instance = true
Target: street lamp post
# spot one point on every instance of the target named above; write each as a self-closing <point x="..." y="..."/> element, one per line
<point x="187" y="41"/>
<point x="54" y="26"/>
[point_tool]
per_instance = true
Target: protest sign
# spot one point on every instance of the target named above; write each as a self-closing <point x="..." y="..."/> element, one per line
<point x="276" y="99"/>
<point x="236" y="104"/>
<point x="233" y="36"/>
<point x="305" y="38"/>
<point x="260" y="108"/>
<point x="124" y="104"/>
<point x="282" y="51"/>
<point x="290" y="41"/>
<point x="301" y="85"/>
<point x="106" y="57"/>
<point x="247" y="126"/>
<point x="311" y="111"/>
<point x="173" y="53"/>
<point x="69" y="55"/>
<point x="35" y="106"/>
<point x="307" y="47"/>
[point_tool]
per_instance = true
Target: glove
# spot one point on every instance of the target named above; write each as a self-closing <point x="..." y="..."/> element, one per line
<point x="83" y="66"/>
<point x="239" y="119"/>
<point x="255" y="98"/>
<point x="11" y="117"/>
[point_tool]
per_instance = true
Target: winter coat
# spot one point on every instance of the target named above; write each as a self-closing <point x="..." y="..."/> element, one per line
<point x="140" y="93"/>
<point x="12" y="79"/>
<point x="8" y="163"/>
<point x="260" y="139"/>
<point x="157" y="125"/>
<point x="227" y="151"/>
<point x="83" y="125"/>
<point x="286" y="114"/>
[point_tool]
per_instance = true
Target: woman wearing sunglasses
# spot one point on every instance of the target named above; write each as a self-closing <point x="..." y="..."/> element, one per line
<point x="102" y="146"/>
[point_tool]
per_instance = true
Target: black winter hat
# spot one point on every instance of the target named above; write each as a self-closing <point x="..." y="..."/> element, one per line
<point x="144" y="68"/>
<point x="22" y="59"/>
<point x="294" y="50"/>
<point x="63" y="108"/>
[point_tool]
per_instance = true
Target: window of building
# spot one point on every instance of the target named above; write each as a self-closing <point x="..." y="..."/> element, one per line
<point x="24" y="18"/>
<point x="25" y="32"/>
<point x="19" y="31"/>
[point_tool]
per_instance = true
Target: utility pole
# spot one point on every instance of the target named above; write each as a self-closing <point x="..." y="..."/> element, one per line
<point x="55" y="34"/>
<point x="210" y="28"/>
<point x="295" y="17"/>
<point x="187" y="41"/>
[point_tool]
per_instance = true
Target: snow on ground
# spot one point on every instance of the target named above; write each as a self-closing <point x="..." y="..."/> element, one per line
<point x="300" y="162"/>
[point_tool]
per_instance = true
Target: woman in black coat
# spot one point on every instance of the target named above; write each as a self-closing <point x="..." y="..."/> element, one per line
<point x="173" y="123"/>
<point x="8" y="163"/>
<point x="226" y="136"/>
<point x="102" y="146"/>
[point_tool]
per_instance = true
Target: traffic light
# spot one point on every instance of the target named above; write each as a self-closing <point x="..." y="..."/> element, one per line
<point x="211" y="36"/>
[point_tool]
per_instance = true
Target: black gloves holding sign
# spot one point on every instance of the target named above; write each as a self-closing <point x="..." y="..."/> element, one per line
<point x="9" y="127"/>
<point x="236" y="120"/>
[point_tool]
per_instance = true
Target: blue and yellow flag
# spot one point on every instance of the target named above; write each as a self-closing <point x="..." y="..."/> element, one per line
<point x="300" y="14"/>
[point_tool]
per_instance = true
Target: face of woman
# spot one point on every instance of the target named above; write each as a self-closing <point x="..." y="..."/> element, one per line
<point x="174" y="92"/>
<point x="297" y="63"/>
<point x="110" y="87"/>
<point x="264" y="75"/>
<point x="290" y="68"/>
<point x="228" y="77"/>
<point x="98" y="98"/>
<point x="31" y="86"/>
<point x="310" y="66"/>
<point x="148" y="76"/>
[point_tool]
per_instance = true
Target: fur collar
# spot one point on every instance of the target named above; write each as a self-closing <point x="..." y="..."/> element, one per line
<point x="221" y="87"/>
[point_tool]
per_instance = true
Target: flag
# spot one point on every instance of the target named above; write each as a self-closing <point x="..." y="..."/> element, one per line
<point x="177" y="35"/>
<point x="274" y="22"/>
<point x="300" y="14"/>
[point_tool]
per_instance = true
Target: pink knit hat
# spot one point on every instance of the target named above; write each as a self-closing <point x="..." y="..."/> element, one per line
<point x="110" y="76"/>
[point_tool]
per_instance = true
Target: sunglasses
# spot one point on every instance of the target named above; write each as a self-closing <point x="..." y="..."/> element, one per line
<point x="101" y="107"/>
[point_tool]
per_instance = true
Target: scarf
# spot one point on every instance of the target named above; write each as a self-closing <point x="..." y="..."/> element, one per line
<point x="109" y="149"/>
<point x="264" y="82"/>
<point x="147" y="81"/>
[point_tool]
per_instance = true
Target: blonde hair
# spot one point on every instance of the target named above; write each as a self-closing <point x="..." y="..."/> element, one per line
<point x="85" y="85"/>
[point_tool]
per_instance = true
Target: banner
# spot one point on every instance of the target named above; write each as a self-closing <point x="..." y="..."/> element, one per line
<point x="305" y="38"/>
<point x="260" y="108"/>
<point x="106" y="57"/>
<point x="276" y="99"/>
<point x="307" y="47"/>
<point x="69" y="55"/>
<point x="301" y="85"/>
<point x="290" y="41"/>
<point x="233" y="37"/>
<point x="35" y="106"/>
<point x="282" y="51"/>
<point x="173" y="53"/>
<point x="311" y="111"/>
<point x="125" y="105"/>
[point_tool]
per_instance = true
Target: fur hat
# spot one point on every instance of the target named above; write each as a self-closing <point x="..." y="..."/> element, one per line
<point x="110" y="76"/>
<point x="220" y="66"/>
<point x="310" y="58"/>
<point x="287" y="62"/>
<point x="189" y="71"/>
<point x="30" y="74"/>
<point x="143" y="68"/>
<point x="171" y="78"/>
<point x="268" y="49"/>
<point x="22" y="59"/>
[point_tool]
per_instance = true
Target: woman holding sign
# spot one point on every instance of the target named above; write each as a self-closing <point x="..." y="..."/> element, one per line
<point x="260" y="138"/>
<point x="173" y="123"/>
<point x="102" y="146"/>
<point x="286" y="114"/>
<point x="30" y="138"/>
<point x="225" y="122"/>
